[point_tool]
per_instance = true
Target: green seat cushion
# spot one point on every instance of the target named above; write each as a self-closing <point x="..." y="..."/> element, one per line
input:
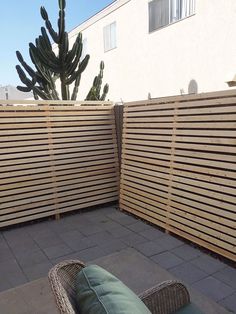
<point x="189" y="309"/>
<point x="99" y="292"/>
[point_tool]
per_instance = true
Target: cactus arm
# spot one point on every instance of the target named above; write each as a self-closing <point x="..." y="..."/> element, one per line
<point x="24" y="89"/>
<point x="76" y="87"/>
<point x="46" y="38"/>
<point x="48" y="24"/>
<point x="95" y="90"/>
<point x="82" y="67"/>
<point x="65" y="65"/>
<point x="72" y="67"/>
<point x="28" y="69"/>
<point x="105" y="91"/>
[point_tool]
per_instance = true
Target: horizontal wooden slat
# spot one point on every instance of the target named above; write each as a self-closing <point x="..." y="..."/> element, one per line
<point x="183" y="146"/>
<point x="185" y="125"/>
<point x="202" y="108"/>
<point x="69" y="182"/>
<point x="182" y="159"/>
<point x="182" y="119"/>
<point x="179" y="163"/>
<point x="144" y="215"/>
<point x="98" y="201"/>
<point x="59" y="163"/>
<point x="54" y="159"/>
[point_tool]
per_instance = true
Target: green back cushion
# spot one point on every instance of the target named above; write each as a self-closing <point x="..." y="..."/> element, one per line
<point x="99" y="292"/>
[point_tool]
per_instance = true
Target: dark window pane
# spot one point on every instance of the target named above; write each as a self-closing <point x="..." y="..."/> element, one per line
<point x="158" y="14"/>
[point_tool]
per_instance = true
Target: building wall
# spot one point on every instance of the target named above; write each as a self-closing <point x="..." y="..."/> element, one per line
<point x="194" y="54"/>
<point x="11" y="92"/>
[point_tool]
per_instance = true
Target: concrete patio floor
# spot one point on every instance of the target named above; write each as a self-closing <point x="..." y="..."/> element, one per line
<point x="27" y="252"/>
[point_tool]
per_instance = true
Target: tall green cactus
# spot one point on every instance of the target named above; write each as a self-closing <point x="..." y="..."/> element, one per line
<point x="66" y="65"/>
<point x="95" y="90"/>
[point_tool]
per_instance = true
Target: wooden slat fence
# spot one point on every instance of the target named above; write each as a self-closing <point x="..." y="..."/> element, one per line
<point x="55" y="159"/>
<point x="179" y="167"/>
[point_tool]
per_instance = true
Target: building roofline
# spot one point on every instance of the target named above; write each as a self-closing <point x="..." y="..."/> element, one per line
<point x="116" y="4"/>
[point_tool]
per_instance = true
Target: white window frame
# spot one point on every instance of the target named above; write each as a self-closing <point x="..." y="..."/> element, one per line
<point x="109" y="36"/>
<point x="188" y="9"/>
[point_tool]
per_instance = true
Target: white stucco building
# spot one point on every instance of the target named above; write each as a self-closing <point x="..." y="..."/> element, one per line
<point x="161" y="47"/>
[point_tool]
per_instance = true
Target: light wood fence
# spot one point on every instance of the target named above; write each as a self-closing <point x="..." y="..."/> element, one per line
<point x="55" y="159"/>
<point x="179" y="167"/>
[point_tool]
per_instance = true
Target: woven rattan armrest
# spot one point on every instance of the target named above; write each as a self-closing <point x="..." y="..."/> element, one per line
<point x="166" y="298"/>
<point x="62" y="280"/>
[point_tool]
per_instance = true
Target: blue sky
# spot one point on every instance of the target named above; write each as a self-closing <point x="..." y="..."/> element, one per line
<point x="20" y="23"/>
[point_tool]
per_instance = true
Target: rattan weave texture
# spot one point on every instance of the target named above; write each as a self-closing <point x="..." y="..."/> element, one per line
<point x="165" y="298"/>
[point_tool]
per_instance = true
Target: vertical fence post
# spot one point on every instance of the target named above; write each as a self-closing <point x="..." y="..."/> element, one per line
<point x="119" y="109"/>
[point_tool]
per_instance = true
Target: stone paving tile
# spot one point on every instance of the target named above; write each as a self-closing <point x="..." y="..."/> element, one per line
<point x="187" y="252"/>
<point x="74" y="219"/>
<point x="115" y="215"/>
<point x="15" y="278"/>
<point x="84" y="255"/>
<point x="96" y="216"/>
<point x="152" y="234"/>
<point x="229" y="303"/>
<point x="5" y="285"/>
<point x="60" y="226"/>
<point x="125" y="219"/>
<point x="21" y="239"/>
<point x="81" y="244"/>
<point x="45" y="241"/>
<point x="213" y="288"/>
<point x="167" y="260"/>
<point x="57" y="251"/>
<point x="109" y="209"/>
<point x="11" y="275"/>
<point x="10" y="266"/>
<point x="3" y="244"/>
<point x="227" y="275"/>
<point x="27" y="259"/>
<point x="98" y="219"/>
<point x="47" y="233"/>
<point x="208" y="264"/>
<point x="25" y="248"/>
<point x="37" y="271"/>
<point x="112" y="246"/>
<point x="149" y="248"/>
<point x="90" y="235"/>
<point x="42" y="227"/>
<point x="168" y="242"/>
<point x="132" y="239"/>
<point x="14" y="233"/>
<point x="120" y="231"/>
<point x="90" y="229"/>
<point x="138" y="226"/>
<point x="109" y="225"/>
<point x="5" y="254"/>
<point x="188" y="273"/>
<point x="91" y="254"/>
<point x="71" y="236"/>
<point x="101" y="237"/>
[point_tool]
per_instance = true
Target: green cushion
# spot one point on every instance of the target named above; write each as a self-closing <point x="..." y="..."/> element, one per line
<point x="99" y="292"/>
<point x="189" y="309"/>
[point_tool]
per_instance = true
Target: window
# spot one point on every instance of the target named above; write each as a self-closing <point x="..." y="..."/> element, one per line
<point x="109" y="33"/>
<point x="165" y="12"/>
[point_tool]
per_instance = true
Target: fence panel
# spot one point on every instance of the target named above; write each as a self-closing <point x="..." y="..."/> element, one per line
<point x="179" y="167"/>
<point x="56" y="159"/>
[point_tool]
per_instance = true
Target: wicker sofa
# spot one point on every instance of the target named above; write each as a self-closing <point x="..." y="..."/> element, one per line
<point x="165" y="298"/>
